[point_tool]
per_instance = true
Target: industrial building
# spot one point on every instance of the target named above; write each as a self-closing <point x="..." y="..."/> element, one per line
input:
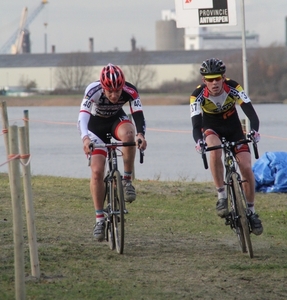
<point x="176" y="56"/>
<point x="168" y="65"/>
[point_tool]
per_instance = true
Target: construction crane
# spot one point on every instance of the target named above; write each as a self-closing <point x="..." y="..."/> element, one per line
<point x="16" y="47"/>
<point x="14" y="43"/>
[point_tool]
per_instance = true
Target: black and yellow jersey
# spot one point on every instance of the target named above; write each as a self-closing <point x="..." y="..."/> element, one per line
<point x="219" y="112"/>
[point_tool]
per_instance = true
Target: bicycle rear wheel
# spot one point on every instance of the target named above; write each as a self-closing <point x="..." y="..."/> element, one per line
<point x="241" y="209"/>
<point x="118" y="212"/>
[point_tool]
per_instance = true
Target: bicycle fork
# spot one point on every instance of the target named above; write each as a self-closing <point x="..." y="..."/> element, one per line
<point x="232" y="219"/>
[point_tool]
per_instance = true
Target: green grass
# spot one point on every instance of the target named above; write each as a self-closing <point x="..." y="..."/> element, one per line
<point x="175" y="246"/>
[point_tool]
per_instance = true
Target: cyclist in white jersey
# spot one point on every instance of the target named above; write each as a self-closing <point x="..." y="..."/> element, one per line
<point x="101" y="112"/>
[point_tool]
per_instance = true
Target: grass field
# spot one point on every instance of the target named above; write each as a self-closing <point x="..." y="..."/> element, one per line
<point x="176" y="247"/>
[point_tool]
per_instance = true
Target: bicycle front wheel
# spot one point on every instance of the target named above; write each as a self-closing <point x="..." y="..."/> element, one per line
<point x="241" y="209"/>
<point x="110" y="235"/>
<point x="118" y="207"/>
<point x="234" y="218"/>
<point x="110" y="238"/>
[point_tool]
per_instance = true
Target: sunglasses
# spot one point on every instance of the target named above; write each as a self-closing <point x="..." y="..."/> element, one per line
<point x="114" y="91"/>
<point x="212" y="79"/>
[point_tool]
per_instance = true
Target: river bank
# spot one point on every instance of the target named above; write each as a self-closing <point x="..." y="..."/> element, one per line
<point x="75" y="100"/>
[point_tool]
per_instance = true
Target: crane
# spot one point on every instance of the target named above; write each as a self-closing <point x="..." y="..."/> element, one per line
<point x="16" y="47"/>
<point x="15" y="41"/>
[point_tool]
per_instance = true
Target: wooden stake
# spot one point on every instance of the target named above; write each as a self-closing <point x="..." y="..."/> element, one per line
<point x="15" y="186"/>
<point x="31" y="228"/>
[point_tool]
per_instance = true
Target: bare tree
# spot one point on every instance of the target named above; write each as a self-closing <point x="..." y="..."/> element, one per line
<point x="138" y="72"/>
<point x="267" y="70"/>
<point x="27" y="84"/>
<point x="74" y="72"/>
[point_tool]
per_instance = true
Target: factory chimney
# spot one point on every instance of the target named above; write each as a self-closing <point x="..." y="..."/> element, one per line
<point x="91" y="44"/>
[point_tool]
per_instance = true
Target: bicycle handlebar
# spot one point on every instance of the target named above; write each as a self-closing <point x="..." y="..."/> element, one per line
<point x="115" y="145"/>
<point x="228" y="145"/>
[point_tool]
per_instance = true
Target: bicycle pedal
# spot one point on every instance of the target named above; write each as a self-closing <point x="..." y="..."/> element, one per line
<point x="119" y="220"/>
<point x="227" y="222"/>
<point x="228" y="219"/>
<point x="106" y="212"/>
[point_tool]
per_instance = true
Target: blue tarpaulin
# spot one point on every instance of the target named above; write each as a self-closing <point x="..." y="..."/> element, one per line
<point x="270" y="172"/>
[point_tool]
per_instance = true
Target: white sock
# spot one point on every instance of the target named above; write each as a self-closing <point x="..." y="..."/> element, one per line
<point x="221" y="192"/>
<point x="251" y="207"/>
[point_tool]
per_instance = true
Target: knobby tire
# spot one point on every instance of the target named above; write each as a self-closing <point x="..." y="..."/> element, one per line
<point x="118" y="207"/>
<point x="241" y="209"/>
<point x="236" y="226"/>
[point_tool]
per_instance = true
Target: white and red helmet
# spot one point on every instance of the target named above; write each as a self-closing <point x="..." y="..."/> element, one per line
<point x="112" y="78"/>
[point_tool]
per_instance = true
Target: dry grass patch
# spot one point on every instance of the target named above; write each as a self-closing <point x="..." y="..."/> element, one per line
<point x="176" y="247"/>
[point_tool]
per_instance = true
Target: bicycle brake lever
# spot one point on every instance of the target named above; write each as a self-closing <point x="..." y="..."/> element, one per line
<point x="139" y="141"/>
<point x="91" y="146"/>
<point x="141" y="156"/>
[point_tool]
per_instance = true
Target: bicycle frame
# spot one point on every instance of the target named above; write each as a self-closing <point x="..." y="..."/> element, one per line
<point x="238" y="215"/>
<point x="114" y="195"/>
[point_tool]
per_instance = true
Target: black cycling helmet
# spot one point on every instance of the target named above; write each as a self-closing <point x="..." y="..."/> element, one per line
<point x="212" y="66"/>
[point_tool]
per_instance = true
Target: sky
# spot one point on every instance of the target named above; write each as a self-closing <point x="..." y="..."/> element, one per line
<point x="112" y="24"/>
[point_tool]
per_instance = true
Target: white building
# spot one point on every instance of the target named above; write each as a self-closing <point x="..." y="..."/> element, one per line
<point x="206" y="38"/>
<point x="170" y="65"/>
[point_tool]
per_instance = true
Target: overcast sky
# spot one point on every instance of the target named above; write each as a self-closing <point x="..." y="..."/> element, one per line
<point x="112" y="24"/>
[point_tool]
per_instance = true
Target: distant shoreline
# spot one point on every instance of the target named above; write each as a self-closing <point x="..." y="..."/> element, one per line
<point x="75" y="100"/>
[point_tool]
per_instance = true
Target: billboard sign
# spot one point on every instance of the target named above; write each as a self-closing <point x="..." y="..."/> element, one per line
<point x="192" y="4"/>
<point x="203" y="13"/>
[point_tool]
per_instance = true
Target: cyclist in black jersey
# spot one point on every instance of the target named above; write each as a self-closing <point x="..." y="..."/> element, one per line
<point x="214" y="115"/>
<point x="102" y="112"/>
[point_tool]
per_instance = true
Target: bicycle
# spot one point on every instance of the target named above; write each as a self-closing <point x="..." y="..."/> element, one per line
<point x="114" y="194"/>
<point x="238" y="217"/>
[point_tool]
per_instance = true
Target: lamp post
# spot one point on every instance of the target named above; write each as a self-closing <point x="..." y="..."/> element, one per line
<point x="45" y="37"/>
<point x="244" y="60"/>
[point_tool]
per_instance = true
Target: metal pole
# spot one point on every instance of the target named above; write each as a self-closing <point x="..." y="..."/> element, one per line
<point x="45" y="38"/>
<point x="244" y="60"/>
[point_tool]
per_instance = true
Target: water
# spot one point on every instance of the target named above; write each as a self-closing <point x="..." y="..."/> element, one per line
<point x="56" y="147"/>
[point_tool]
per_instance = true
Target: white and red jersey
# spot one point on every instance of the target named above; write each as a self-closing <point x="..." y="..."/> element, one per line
<point x="96" y="104"/>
